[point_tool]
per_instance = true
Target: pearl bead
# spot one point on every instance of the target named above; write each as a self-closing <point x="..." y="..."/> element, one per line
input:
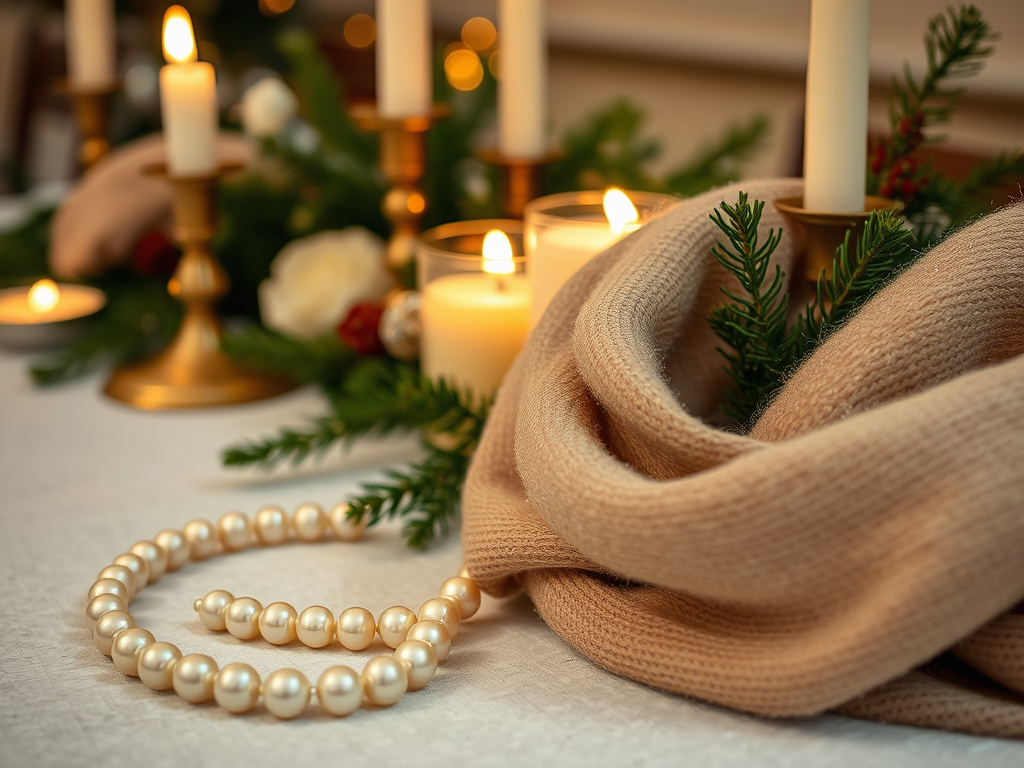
<point x="107" y="627"/>
<point x="234" y="531"/>
<point x="123" y="574"/>
<point x="212" y="607"/>
<point x="193" y="677"/>
<point x="286" y="693"/>
<point x="385" y="680"/>
<point x="271" y="526"/>
<point x="202" y="539"/>
<point x="177" y="546"/>
<point x="109" y="587"/>
<point x="102" y="604"/>
<point x="434" y="634"/>
<point x="309" y="522"/>
<point x="464" y="573"/>
<point x="356" y="628"/>
<point x="277" y="623"/>
<point x="137" y="565"/>
<point x="465" y="592"/>
<point x="237" y="688"/>
<point x="126" y="648"/>
<point x="394" y="624"/>
<point x="242" y="618"/>
<point x="153" y="554"/>
<point x="443" y="610"/>
<point x="156" y="666"/>
<point x="315" y="626"/>
<point x="339" y="691"/>
<point x="343" y="527"/>
<point x="420" y="662"/>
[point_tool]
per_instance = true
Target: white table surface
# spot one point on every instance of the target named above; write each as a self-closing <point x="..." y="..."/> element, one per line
<point x="84" y="478"/>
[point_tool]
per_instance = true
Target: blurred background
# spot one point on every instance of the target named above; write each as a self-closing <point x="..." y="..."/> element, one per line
<point x="694" y="67"/>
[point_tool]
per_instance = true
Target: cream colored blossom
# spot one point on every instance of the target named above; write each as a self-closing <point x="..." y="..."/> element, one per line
<point x="267" y="107"/>
<point x="315" y="281"/>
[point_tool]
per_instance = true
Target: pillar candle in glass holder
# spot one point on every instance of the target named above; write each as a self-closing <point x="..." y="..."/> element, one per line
<point x="403" y="58"/>
<point x="188" y="100"/>
<point x="474" y="323"/>
<point x="836" y="121"/>
<point x="522" y="89"/>
<point x="90" y="32"/>
<point x="565" y="231"/>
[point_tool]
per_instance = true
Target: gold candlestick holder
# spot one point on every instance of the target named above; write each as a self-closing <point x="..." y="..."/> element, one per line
<point x="825" y="231"/>
<point x="92" y="113"/>
<point x="403" y="159"/>
<point x="193" y="372"/>
<point x="522" y="180"/>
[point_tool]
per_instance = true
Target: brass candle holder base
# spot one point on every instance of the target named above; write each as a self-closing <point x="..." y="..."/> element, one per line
<point x="825" y="231"/>
<point x="92" y="113"/>
<point x="403" y="153"/>
<point x="522" y="180"/>
<point x="193" y="372"/>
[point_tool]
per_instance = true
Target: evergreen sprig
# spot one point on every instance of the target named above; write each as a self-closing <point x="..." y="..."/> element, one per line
<point x="753" y="325"/>
<point x="761" y="351"/>
<point x="322" y="360"/>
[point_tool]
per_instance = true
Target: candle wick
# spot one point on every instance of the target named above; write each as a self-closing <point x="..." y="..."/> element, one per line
<point x="501" y="284"/>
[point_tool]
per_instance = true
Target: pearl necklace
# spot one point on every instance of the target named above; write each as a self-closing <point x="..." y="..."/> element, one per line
<point x="420" y="640"/>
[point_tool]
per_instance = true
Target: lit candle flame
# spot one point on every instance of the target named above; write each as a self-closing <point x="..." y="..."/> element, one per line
<point x="179" y="42"/>
<point x="619" y="210"/>
<point x="497" y="249"/>
<point x="43" y="296"/>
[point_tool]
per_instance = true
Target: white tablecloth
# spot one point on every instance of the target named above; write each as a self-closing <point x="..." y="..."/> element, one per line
<point x="83" y="478"/>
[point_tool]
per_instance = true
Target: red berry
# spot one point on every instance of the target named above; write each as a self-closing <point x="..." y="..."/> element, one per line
<point x="908" y="189"/>
<point x="359" y="329"/>
<point x="155" y="255"/>
<point x="886" y="189"/>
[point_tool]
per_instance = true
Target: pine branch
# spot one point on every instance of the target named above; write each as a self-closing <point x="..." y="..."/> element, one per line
<point x="882" y="251"/>
<point x="753" y="325"/>
<point x="323" y="360"/>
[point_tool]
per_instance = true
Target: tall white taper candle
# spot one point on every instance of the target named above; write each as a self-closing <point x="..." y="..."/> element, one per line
<point x="835" y="129"/>
<point x="403" y="58"/>
<point x="522" y="89"/>
<point x="90" y="37"/>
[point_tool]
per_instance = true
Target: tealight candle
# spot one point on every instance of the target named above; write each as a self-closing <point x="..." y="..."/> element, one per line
<point x="564" y="232"/>
<point x="90" y="40"/>
<point x="188" y="100"/>
<point x="475" y="312"/>
<point x="43" y="315"/>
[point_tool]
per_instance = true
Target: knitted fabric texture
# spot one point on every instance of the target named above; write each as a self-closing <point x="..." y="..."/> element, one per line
<point x="872" y="520"/>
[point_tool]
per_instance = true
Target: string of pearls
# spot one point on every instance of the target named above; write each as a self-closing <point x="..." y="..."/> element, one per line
<point x="421" y="640"/>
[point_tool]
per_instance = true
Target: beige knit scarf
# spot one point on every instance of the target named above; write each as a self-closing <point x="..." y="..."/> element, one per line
<point x="872" y="521"/>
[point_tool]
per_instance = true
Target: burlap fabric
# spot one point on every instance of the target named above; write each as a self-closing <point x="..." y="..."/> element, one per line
<point x="873" y="520"/>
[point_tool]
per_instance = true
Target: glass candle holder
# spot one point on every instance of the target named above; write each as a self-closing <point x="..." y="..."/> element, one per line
<point x="475" y="305"/>
<point x="563" y="232"/>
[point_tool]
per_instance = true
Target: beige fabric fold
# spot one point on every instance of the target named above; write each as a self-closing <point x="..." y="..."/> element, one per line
<point x="873" y="519"/>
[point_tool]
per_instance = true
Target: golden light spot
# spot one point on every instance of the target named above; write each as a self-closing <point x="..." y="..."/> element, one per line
<point x="274" y="7"/>
<point x="360" y="31"/>
<point x="417" y="203"/>
<point x="43" y="296"/>
<point x="494" y="64"/>
<point x="479" y="33"/>
<point x="463" y="69"/>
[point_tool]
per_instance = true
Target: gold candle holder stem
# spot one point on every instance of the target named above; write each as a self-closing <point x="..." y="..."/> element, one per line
<point x="824" y="231"/>
<point x="521" y="180"/>
<point x="193" y="372"/>
<point x="403" y="160"/>
<point x="92" y="113"/>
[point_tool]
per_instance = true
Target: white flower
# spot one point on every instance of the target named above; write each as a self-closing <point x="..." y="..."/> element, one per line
<point x="267" y="106"/>
<point x="315" y="281"/>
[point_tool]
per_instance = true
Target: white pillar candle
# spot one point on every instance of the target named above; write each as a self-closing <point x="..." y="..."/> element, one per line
<point x="188" y="101"/>
<point x="90" y="39"/>
<point x="522" y="89"/>
<point x="474" y="323"/>
<point x="403" y="58"/>
<point x="836" y="122"/>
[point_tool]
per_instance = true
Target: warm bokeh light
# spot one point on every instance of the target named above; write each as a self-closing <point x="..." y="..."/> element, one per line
<point x="479" y="33"/>
<point x="494" y="64"/>
<point x="498" y="253"/>
<point x="463" y="69"/>
<point x="417" y="203"/>
<point x="619" y="210"/>
<point x="179" y="42"/>
<point x="274" y="7"/>
<point x="43" y="296"/>
<point x="360" y="31"/>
